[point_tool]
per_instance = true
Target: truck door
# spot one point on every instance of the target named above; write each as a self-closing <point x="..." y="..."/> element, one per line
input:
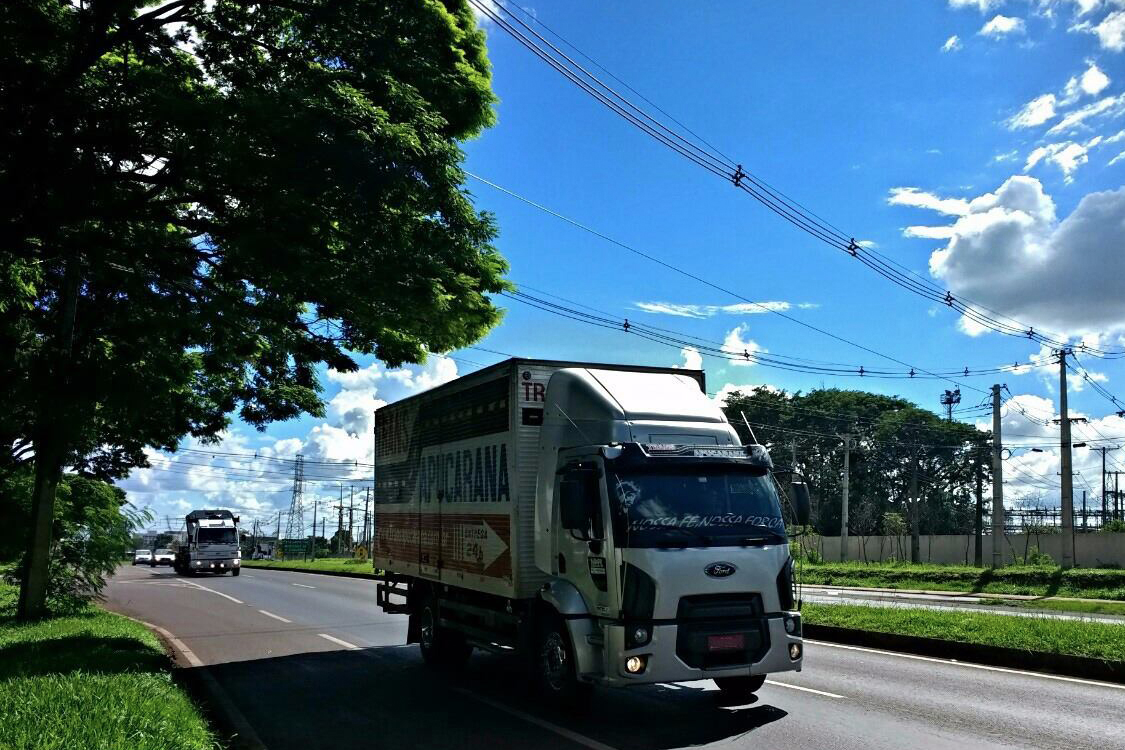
<point x="585" y="556"/>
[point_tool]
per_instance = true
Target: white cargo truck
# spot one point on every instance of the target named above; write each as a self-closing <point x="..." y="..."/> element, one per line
<point x="605" y="521"/>
<point x="210" y="544"/>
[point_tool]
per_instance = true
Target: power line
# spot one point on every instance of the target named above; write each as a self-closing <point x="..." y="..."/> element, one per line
<point x="714" y="162"/>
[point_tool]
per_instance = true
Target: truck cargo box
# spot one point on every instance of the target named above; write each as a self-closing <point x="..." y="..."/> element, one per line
<point x="455" y="471"/>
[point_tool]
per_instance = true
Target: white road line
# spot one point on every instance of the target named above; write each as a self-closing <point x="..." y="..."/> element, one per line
<point x="984" y="667"/>
<point x="276" y="617"/>
<point x="177" y="644"/>
<point x="338" y="642"/>
<point x="213" y="591"/>
<point x="303" y="585"/>
<point x="581" y="739"/>
<point x="803" y="689"/>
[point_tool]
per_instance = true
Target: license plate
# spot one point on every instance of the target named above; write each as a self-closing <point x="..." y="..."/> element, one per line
<point x="732" y="642"/>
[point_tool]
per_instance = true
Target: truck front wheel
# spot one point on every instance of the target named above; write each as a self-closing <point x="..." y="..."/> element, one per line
<point x="235" y="571"/>
<point x="440" y="646"/>
<point x="556" y="675"/>
<point x="741" y="688"/>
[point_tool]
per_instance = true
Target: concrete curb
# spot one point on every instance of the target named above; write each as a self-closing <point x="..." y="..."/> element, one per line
<point x="995" y="656"/>
<point x="969" y="594"/>
<point x="337" y="573"/>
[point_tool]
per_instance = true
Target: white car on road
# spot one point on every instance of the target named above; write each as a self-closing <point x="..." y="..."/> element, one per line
<point x="142" y="556"/>
<point x="162" y="557"/>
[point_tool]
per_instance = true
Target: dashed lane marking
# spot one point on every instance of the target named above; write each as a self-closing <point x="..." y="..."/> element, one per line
<point x="303" y="585"/>
<point x="276" y="617"/>
<point x="213" y="591"/>
<point x="338" y="642"/>
<point x="803" y="689"/>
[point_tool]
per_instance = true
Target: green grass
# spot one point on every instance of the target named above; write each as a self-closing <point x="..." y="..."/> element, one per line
<point x="90" y="680"/>
<point x="1061" y="605"/>
<point x="1092" y="639"/>
<point x="1084" y="583"/>
<point x="337" y="564"/>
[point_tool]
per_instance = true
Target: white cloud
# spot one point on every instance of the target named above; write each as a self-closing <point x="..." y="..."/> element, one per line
<point x="982" y="5"/>
<point x="1110" y="105"/>
<point x="928" y="233"/>
<point x="1035" y="112"/>
<point x="1110" y="32"/>
<point x="1011" y="253"/>
<point x="1006" y="156"/>
<point x="1116" y="159"/>
<point x="952" y="44"/>
<point x="1002" y="26"/>
<point x="693" y="360"/>
<point x="867" y="243"/>
<point x="1067" y="156"/>
<point x="912" y="196"/>
<point x="743" y="349"/>
<point x="1090" y="83"/>
<point x="708" y="311"/>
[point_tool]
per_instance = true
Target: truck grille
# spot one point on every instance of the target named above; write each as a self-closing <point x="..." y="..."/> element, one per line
<point x="704" y="616"/>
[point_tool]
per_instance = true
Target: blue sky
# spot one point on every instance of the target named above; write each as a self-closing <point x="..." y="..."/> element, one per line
<point x="972" y="141"/>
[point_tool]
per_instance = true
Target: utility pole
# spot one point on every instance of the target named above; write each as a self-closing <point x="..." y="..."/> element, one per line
<point x="949" y="399"/>
<point x="351" y="519"/>
<point x="915" y="514"/>
<point x="844" y="502"/>
<point x="978" y="524"/>
<point x="997" y="483"/>
<point x="312" y="539"/>
<point x="366" y="536"/>
<point x="1067" y="504"/>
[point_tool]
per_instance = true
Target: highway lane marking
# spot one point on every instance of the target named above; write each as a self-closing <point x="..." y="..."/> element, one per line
<point x="303" y="585"/>
<point x="804" y="689"/>
<point x="337" y="641"/>
<point x="571" y="735"/>
<point x="213" y="591"/>
<point x="177" y="644"/>
<point x="276" y="617"/>
<point x="984" y="667"/>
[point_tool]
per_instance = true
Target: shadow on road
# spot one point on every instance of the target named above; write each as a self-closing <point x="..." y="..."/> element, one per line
<point x="386" y="698"/>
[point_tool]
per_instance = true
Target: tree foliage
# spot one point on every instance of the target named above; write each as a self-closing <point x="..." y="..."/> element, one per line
<point x="891" y="435"/>
<point x="204" y="201"/>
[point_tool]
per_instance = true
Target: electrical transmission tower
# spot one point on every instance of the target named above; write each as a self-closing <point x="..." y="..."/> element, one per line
<point x="295" y="523"/>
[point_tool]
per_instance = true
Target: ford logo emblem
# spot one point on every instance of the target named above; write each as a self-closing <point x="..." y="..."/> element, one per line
<point x="720" y="569"/>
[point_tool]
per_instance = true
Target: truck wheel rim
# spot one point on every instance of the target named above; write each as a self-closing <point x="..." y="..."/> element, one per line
<point x="553" y="661"/>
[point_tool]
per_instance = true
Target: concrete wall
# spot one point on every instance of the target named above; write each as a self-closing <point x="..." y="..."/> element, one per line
<point x="1090" y="550"/>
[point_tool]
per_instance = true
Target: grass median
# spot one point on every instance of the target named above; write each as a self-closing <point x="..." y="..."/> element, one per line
<point x="332" y="564"/>
<point x="1043" y="635"/>
<point x="90" y="680"/>
<point x="1083" y="583"/>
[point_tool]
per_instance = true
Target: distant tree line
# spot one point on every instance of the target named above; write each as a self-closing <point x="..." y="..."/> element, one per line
<point x="907" y="465"/>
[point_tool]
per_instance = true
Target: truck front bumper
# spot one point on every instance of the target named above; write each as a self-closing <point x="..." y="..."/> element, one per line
<point x="203" y="565"/>
<point x="665" y="659"/>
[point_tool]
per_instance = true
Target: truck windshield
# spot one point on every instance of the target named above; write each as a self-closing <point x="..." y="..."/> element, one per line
<point x="697" y="506"/>
<point x="216" y="536"/>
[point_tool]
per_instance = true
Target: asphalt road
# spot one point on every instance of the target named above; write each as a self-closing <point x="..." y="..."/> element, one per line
<point x="311" y="663"/>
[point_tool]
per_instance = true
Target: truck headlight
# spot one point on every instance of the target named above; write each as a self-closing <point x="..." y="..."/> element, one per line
<point x="635" y="664"/>
<point x="793" y="624"/>
<point x="195" y="563"/>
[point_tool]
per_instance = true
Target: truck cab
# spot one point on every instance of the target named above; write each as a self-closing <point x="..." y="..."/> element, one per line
<point x="663" y="535"/>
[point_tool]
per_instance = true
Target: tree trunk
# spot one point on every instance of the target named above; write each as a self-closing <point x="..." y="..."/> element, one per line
<point x="36" y="572"/>
<point x="915" y="541"/>
<point x="50" y="449"/>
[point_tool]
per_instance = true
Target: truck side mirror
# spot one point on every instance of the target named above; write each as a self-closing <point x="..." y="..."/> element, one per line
<point x="574" y="505"/>
<point x="802" y="507"/>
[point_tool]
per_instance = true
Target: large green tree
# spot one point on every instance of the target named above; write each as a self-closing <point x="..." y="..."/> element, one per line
<point x="205" y="200"/>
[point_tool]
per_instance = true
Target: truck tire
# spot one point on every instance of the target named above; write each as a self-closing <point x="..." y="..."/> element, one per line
<point x="235" y="571"/>
<point x="741" y="688"/>
<point x="554" y="667"/>
<point x="441" y="647"/>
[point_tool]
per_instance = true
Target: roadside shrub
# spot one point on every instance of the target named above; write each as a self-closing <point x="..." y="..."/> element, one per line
<point x="1115" y="526"/>
<point x="93" y="529"/>
<point x="1035" y="557"/>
